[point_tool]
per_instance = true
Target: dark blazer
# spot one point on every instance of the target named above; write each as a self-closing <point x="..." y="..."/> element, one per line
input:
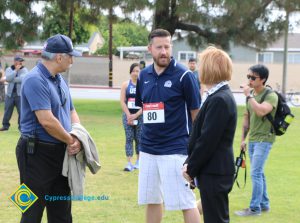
<point x="210" y="148"/>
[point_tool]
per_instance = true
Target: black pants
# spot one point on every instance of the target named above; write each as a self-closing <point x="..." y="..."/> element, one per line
<point x="41" y="173"/>
<point x="214" y="192"/>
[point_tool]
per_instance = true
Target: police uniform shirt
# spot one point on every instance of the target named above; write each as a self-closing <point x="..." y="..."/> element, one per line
<point x="41" y="91"/>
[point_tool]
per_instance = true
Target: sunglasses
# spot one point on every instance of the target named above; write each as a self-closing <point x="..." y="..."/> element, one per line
<point x="62" y="93"/>
<point x="253" y="78"/>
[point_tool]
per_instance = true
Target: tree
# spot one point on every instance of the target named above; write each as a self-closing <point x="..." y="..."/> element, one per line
<point x="221" y="21"/>
<point x="56" y="20"/>
<point x="289" y="7"/>
<point x="125" y="33"/>
<point x="21" y="27"/>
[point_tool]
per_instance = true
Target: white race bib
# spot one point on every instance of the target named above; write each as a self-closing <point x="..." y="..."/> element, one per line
<point x="154" y="113"/>
<point x="131" y="104"/>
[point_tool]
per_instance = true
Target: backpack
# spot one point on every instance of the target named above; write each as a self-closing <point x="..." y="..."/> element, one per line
<point x="283" y="116"/>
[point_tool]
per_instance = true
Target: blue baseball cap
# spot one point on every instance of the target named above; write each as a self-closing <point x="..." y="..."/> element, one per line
<point x="18" y="58"/>
<point x="60" y="44"/>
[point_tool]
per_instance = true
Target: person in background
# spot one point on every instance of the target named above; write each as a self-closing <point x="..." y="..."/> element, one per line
<point x="168" y="94"/>
<point x="2" y="85"/>
<point x="1" y="70"/>
<point x="47" y="115"/>
<point x="210" y="163"/>
<point x="192" y="64"/>
<point x="142" y="64"/>
<point x="132" y="119"/>
<point x="14" y="76"/>
<point x="261" y="138"/>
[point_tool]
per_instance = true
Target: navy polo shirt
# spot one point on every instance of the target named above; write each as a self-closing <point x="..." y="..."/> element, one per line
<point x="177" y="88"/>
<point x="41" y="91"/>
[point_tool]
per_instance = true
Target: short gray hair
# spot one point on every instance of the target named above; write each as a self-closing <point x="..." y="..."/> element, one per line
<point x="48" y="56"/>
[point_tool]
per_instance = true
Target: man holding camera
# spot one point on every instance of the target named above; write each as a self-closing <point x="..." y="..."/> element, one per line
<point x="261" y="137"/>
<point x="14" y="76"/>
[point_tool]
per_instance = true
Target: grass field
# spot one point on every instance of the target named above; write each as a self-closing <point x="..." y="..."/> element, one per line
<point x="103" y="120"/>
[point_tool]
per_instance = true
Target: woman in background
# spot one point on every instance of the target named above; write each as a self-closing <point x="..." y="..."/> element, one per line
<point x="132" y="119"/>
<point x="210" y="162"/>
<point x="2" y="85"/>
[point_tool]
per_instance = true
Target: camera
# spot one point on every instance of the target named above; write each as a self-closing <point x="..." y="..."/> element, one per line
<point x="240" y="162"/>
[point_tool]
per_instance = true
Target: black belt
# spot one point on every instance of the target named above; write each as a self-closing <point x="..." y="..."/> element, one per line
<point x="40" y="143"/>
<point x="51" y="145"/>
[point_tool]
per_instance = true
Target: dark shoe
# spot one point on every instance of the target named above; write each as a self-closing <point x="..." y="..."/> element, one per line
<point x="247" y="212"/>
<point x="3" y="129"/>
<point x="129" y="167"/>
<point x="265" y="209"/>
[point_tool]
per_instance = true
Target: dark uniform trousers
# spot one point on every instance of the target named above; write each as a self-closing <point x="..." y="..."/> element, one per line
<point x="214" y="192"/>
<point x="42" y="174"/>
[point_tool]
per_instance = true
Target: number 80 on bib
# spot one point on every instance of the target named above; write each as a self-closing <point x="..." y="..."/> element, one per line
<point x="153" y="113"/>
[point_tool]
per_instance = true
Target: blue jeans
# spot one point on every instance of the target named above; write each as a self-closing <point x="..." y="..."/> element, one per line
<point x="10" y="103"/>
<point x="258" y="153"/>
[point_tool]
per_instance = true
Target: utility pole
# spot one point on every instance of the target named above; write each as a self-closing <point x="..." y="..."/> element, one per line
<point x="286" y="32"/>
<point x="110" y="75"/>
<point x="71" y="19"/>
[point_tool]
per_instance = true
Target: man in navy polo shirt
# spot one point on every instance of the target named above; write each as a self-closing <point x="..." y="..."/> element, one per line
<point x="168" y="93"/>
<point x="47" y="113"/>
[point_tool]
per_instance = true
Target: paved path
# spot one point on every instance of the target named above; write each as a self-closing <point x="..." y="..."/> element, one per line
<point x="84" y="92"/>
<point x="95" y="93"/>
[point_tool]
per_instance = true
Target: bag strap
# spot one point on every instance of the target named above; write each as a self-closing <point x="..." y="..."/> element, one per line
<point x="242" y="155"/>
<point x="265" y="95"/>
<point x="268" y="116"/>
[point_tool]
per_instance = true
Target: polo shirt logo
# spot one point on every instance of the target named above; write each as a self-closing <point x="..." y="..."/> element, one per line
<point x="168" y="84"/>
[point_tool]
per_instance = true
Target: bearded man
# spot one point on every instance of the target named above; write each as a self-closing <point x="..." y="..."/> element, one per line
<point x="168" y="93"/>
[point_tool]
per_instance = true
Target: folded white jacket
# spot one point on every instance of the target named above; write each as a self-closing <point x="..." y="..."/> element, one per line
<point x="74" y="165"/>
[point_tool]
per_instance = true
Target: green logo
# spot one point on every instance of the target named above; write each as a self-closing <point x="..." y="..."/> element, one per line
<point x="23" y="198"/>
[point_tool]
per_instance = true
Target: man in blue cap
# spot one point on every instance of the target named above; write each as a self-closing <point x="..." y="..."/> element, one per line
<point x="47" y="114"/>
<point x="14" y="76"/>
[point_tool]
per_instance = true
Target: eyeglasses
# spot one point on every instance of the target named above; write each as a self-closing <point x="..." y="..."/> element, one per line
<point x="253" y="78"/>
<point x="62" y="94"/>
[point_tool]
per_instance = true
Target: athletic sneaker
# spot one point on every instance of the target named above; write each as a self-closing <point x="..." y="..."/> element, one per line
<point x="129" y="167"/>
<point x="247" y="212"/>
<point x="136" y="165"/>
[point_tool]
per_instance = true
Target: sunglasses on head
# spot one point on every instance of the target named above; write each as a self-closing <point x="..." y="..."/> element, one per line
<point x="253" y="78"/>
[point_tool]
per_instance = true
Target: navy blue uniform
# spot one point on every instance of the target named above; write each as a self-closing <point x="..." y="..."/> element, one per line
<point x="177" y="89"/>
<point x="132" y="132"/>
<point x="41" y="168"/>
<point x="130" y="96"/>
<point x="41" y="91"/>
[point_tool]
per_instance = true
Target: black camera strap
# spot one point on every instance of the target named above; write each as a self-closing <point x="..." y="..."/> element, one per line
<point x="239" y="161"/>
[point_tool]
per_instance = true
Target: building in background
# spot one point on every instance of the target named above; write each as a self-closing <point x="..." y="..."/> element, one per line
<point x="95" y="42"/>
<point x="182" y="51"/>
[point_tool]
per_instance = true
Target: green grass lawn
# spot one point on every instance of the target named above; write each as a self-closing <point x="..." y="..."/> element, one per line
<point x="103" y="120"/>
